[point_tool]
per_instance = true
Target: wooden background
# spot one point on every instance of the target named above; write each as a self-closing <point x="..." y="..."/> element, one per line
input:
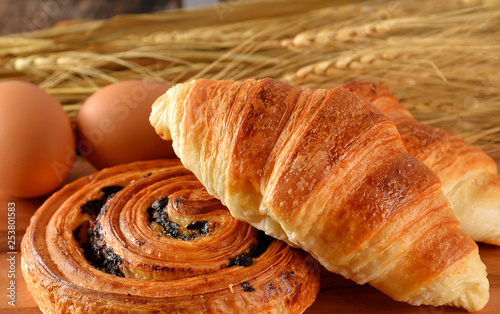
<point x="28" y="15"/>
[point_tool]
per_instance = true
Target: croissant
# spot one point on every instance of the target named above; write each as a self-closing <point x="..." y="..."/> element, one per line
<point x="469" y="177"/>
<point x="326" y="171"/>
<point x="147" y="237"/>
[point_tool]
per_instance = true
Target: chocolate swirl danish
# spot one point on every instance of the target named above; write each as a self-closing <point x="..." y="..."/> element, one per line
<point x="148" y="237"/>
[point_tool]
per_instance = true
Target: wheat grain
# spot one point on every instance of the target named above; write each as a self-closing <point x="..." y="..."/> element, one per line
<point x="441" y="59"/>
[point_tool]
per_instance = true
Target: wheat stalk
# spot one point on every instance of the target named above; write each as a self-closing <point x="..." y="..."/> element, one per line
<point x="441" y="59"/>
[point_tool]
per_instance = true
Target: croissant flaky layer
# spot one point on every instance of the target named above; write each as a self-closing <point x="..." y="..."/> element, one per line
<point x="469" y="177"/>
<point x="147" y="237"/>
<point x="326" y="171"/>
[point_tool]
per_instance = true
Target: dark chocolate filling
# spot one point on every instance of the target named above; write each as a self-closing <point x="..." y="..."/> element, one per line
<point x="94" y="206"/>
<point x="90" y="237"/>
<point x="109" y="191"/>
<point x="104" y="257"/>
<point x="241" y="260"/>
<point x="89" y="234"/>
<point x="160" y="223"/>
<point x="247" y="287"/>
<point x="246" y="259"/>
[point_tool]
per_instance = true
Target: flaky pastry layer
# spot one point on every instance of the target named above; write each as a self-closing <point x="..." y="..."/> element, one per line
<point x="147" y="237"/>
<point x="326" y="171"/>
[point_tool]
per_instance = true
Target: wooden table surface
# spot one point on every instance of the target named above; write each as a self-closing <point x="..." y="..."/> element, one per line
<point x="337" y="295"/>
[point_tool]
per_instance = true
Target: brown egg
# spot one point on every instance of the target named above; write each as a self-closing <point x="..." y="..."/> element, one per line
<point x="36" y="139"/>
<point x="113" y="125"/>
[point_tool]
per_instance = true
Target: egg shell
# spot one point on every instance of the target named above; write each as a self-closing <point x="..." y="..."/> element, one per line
<point x="37" y="141"/>
<point x="113" y="124"/>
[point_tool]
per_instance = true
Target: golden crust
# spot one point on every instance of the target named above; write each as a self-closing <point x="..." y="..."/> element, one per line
<point x="469" y="177"/>
<point x="126" y="264"/>
<point x="325" y="170"/>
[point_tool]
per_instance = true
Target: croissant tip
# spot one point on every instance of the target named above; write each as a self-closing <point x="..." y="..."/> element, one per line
<point x="472" y="302"/>
<point x="465" y="287"/>
<point x="160" y="108"/>
<point x="486" y="189"/>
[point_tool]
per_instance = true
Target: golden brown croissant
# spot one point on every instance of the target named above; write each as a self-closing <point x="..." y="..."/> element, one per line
<point x="147" y="237"/>
<point x="469" y="177"/>
<point x="326" y="170"/>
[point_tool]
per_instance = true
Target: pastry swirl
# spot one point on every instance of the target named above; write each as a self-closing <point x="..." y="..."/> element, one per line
<point x="148" y="237"/>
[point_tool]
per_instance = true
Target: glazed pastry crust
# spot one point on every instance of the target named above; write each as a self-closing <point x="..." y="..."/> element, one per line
<point x="152" y="272"/>
<point x="469" y="177"/>
<point x="326" y="171"/>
